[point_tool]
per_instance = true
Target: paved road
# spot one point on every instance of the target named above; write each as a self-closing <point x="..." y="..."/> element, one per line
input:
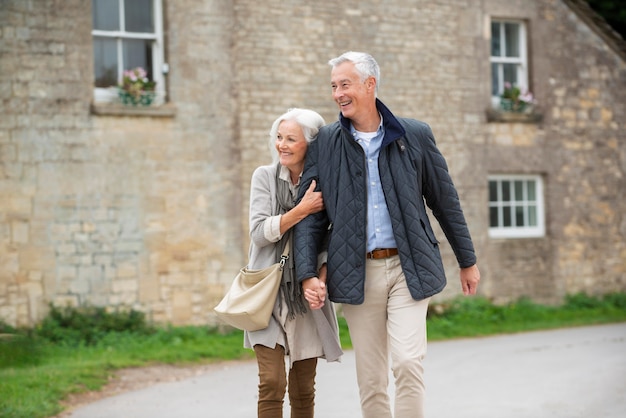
<point x="566" y="373"/>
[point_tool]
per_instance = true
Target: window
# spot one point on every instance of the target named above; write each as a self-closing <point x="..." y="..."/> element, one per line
<point x="516" y="206"/>
<point x="508" y="56"/>
<point x="126" y="34"/>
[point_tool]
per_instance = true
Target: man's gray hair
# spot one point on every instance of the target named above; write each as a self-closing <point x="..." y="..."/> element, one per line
<point x="365" y="65"/>
<point x="309" y="120"/>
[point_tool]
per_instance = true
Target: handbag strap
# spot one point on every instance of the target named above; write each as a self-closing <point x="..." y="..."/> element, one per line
<point x="285" y="255"/>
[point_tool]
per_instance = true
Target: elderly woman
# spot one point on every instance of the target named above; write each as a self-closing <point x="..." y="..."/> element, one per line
<point x="302" y="334"/>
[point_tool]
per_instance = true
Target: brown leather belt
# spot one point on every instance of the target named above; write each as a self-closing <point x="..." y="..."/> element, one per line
<point x="382" y="253"/>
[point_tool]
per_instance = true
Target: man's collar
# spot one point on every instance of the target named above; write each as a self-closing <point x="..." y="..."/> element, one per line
<point x="392" y="127"/>
<point x="380" y="125"/>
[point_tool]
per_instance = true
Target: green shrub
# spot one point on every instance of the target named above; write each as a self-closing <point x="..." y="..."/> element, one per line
<point x="87" y="325"/>
<point x="616" y="300"/>
<point x="582" y="301"/>
<point x="20" y="350"/>
<point x="6" y="328"/>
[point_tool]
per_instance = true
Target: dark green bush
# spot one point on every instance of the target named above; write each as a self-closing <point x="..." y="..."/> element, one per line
<point x="6" y="328"/>
<point x="19" y="350"/>
<point x="582" y="301"/>
<point x="616" y="300"/>
<point x="87" y="325"/>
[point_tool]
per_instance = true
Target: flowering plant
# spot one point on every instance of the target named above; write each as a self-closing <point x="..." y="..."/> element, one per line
<point x="135" y="82"/>
<point x="513" y="99"/>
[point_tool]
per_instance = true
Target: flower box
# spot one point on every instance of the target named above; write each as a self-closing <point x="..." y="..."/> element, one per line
<point x="136" y="89"/>
<point x="510" y="105"/>
<point x="144" y="98"/>
<point x="513" y="100"/>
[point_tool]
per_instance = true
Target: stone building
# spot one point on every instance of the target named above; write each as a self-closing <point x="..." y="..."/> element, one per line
<point x="146" y="207"/>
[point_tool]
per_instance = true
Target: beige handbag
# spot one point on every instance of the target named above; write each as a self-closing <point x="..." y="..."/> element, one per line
<point x="249" y="302"/>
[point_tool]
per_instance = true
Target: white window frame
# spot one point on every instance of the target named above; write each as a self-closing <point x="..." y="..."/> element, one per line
<point x="159" y="67"/>
<point x="521" y="61"/>
<point x="517" y="231"/>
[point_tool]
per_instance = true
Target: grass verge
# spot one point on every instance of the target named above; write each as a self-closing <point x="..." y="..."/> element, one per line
<point x="75" y="350"/>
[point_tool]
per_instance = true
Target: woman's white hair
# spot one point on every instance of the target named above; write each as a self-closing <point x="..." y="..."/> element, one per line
<point x="365" y="65"/>
<point x="309" y="120"/>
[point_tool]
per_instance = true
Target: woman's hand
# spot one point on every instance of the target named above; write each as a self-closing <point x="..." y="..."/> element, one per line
<point x="312" y="201"/>
<point x="314" y="292"/>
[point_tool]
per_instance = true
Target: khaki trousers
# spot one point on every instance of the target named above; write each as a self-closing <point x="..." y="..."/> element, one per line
<point x="273" y="383"/>
<point x="388" y="322"/>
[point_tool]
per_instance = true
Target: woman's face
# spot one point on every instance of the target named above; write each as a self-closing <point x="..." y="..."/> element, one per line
<point x="291" y="146"/>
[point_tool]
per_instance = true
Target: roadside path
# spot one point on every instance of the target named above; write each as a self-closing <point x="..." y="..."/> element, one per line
<point x="565" y="373"/>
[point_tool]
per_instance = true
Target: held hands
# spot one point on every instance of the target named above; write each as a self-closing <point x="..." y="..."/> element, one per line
<point x="315" y="289"/>
<point x="470" y="276"/>
<point x="312" y="201"/>
<point x="314" y="292"/>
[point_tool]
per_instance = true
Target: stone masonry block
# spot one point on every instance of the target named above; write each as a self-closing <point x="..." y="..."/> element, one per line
<point x="127" y="269"/>
<point x="19" y="232"/>
<point x="181" y="307"/>
<point x="124" y="286"/>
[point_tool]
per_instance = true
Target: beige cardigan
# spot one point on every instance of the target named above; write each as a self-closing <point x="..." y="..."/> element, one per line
<point x="314" y="334"/>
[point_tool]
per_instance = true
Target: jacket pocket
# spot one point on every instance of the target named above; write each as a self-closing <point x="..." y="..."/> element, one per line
<point x="429" y="232"/>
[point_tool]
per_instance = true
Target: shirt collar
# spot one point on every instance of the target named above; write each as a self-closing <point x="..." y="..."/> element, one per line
<point x="285" y="174"/>
<point x="392" y="128"/>
<point x="378" y="131"/>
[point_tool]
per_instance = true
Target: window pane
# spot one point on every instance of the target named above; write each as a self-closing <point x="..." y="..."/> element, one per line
<point x="495" y="80"/>
<point x="506" y="216"/>
<point x="532" y="196"/>
<point x="510" y="74"/>
<point x="506" y="191"/>
<point x="519" y="215"/>
<point x="138" y="16"/>
<point x="515" y="206"/>
<point x="493" y="217"/>
<point x="138" y="53"/>
<point x="493" y="191"/>
<point x="495" y="40"/>
<point x="105" y="14"/>
<point x="519" y="190"/>
<point x="105" y="61"/>
<point x="532" y="215"/>
<point x="511" y="33"/>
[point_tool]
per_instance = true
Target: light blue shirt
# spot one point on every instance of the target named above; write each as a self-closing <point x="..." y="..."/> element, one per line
<point x="379" y="230"/>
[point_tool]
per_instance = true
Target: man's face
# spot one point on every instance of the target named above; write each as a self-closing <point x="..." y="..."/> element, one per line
<point x="352" y="95"/>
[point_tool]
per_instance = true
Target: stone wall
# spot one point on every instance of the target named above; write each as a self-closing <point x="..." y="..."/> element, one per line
<point x="150" y="212"/>
<point x="116" y="210"/>
<point x="579" y="149"/>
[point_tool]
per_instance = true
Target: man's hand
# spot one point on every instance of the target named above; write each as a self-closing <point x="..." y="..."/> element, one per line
<point x="314" y="292"/>
<point x="470" y="276"/>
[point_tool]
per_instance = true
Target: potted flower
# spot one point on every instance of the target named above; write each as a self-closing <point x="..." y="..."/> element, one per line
<point x="136" y="88"/>
<point x="513" y="100"/>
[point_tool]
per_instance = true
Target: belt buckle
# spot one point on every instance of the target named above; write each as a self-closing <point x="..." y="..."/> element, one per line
<point x="372" y="254"/>
<point x="379" y="253"/>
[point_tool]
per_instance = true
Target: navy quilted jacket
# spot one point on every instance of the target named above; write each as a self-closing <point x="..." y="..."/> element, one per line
<point x="412" y="171"/>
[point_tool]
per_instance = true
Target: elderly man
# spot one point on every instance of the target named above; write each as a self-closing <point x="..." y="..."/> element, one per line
<point x="375" y="171"/>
